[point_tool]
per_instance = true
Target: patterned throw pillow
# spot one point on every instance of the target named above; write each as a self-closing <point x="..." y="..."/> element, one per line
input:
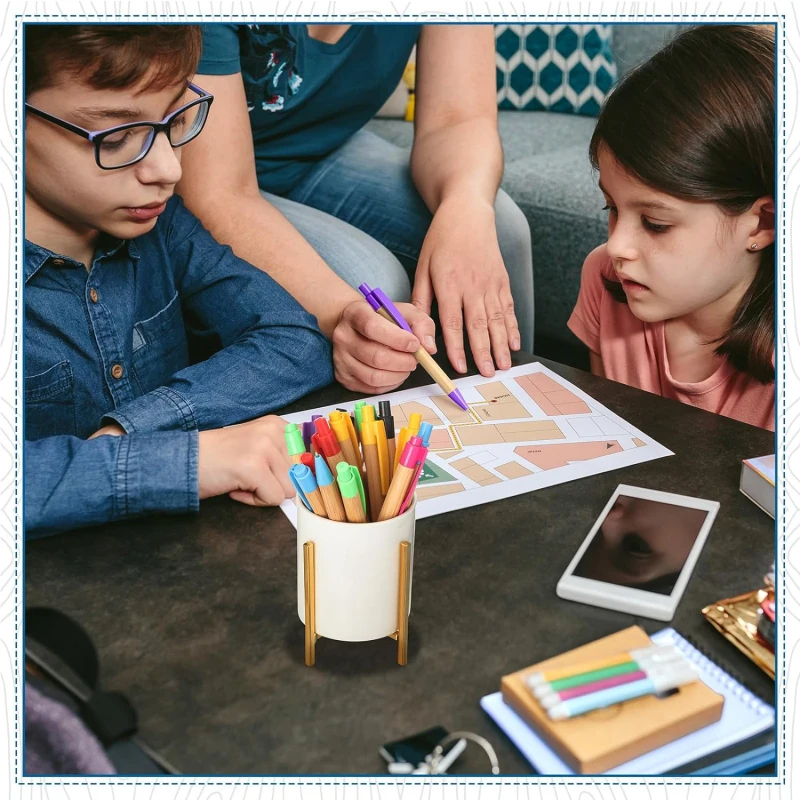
<point x="568" y="68"/>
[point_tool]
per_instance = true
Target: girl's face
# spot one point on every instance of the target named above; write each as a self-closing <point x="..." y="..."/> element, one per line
<point x="674" y="257"/>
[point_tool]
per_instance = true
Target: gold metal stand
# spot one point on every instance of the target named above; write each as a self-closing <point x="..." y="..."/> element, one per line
<point x="403" y="600"/>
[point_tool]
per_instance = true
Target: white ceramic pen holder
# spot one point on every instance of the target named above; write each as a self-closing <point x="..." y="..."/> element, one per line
<point x="354" y="579"/>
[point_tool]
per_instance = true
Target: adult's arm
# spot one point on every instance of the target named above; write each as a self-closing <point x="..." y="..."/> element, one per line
<point x="457" y="164"/>
<point x="220" y="186"/>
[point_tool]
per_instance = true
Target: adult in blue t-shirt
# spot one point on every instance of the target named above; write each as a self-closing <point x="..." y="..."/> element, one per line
<point x="286" y="175"/>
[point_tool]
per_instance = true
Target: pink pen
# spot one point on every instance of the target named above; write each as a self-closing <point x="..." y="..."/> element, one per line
<point x="411" y="489"/>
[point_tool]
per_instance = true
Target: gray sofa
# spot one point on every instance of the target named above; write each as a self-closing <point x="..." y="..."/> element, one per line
<point x="547" y="172"/>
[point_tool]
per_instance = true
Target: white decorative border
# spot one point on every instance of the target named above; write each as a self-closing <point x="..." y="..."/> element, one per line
<point x="11" y="538"/>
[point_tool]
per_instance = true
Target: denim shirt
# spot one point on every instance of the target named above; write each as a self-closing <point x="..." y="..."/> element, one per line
<point x="168" y="334"/>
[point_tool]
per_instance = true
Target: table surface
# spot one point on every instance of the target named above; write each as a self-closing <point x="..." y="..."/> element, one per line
<point x="195" y="617"/>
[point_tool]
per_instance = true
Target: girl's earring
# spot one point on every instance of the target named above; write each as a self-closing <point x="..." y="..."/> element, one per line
<point x="754" y="246"/>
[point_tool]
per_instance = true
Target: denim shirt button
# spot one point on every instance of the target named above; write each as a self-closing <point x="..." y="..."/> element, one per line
<point x="93" y="294"/>
<point x="117" y="371"/>
<point x="59" y="262"/>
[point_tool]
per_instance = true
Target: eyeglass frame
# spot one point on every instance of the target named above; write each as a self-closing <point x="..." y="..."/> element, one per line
<point x="96" y="137"/>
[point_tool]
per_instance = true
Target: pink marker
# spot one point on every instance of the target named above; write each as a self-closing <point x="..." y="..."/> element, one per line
<point x="589" y="688"/>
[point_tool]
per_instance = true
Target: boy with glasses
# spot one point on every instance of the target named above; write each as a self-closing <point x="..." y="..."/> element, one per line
<point x="144" y="337"/>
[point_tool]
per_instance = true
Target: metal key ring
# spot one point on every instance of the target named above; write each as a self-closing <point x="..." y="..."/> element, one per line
<point x="438" y="751"/>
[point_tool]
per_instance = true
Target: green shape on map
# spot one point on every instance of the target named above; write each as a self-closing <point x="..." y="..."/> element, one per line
<point x="434" y="474"/>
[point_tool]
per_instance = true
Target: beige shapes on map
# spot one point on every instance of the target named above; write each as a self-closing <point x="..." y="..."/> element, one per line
<point x="437" y="490"/>
<point x="513" y="470"/>
<point x="639" y="443"/>
<point x="475" y="472"/>
<point x="500" y="403"/>
<point x="402" y="411"/>
<point x="551" y="456"/>
<point x="509" y="432"/>
<point x="449" y="410"/>
<point x="551" y="396"/>
<point x="442" y="440"/>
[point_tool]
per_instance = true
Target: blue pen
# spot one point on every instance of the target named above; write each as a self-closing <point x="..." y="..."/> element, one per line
<point x="303" y="478"/>
<point x="425" y="429"/>
<point x="298" y="488"/>
<point x="670" y="677"/>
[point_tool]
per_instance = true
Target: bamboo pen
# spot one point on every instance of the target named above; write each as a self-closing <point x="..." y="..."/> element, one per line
<point x="349" y="479"/>
<point x="303" y="479"/>
<point x="341" y="429"/>
<point x="387" y="309"/>
<point x="369" y="443"/>
<point x="330" y="493"/>
<point x="413" y="453"/>
<point x="294" y="442"/>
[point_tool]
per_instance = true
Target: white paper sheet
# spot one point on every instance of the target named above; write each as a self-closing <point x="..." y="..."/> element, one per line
<point x="525" y="428"/>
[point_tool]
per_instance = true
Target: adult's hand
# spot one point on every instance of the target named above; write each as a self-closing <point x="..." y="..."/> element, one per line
<point x="249" y="462"/>
<point x="373" y="355"/>
<point x="461" y="266"/>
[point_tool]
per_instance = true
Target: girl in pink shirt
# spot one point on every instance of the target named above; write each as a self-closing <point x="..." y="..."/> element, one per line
<point x="680" y="300"/>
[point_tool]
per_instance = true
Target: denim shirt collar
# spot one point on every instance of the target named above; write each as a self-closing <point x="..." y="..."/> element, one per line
<point x="37" y="256"/>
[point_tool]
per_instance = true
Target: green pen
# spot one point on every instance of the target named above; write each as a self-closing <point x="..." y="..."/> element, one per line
<point x="348" y="478"/>
<point x="357" y="411"/>
<point x="294" y="442"/>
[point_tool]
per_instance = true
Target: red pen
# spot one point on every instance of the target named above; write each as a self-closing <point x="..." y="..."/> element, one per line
<point x="308" y="460"/>
<point x="326" y="443"/>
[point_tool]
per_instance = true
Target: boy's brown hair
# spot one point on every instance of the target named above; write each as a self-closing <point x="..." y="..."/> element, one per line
<point x="697" y="121"/>
<point x="111" y="56"/>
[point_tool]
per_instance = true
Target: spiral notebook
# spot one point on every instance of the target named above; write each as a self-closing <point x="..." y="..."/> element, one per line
<point x="743" y="716"/>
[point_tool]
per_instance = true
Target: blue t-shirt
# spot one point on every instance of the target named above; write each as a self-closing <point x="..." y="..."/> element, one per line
<point x="306" y="97"/>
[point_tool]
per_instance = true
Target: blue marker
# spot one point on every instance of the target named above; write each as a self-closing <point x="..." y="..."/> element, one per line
<point x="425" y="429"/>
<point x="298" y="488"/>
<point x="671" y="677"/>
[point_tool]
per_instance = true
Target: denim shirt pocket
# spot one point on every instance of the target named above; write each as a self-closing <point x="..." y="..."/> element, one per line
<point x="159" y="346"/>
<point x="50" y="403"/>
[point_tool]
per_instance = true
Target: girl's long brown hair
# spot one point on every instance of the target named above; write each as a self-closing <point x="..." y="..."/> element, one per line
<point x="697" y="121"/>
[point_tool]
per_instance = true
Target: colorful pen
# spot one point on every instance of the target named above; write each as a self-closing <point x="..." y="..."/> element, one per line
<point x="302" y="476"/>
<point x="414" y="422"/>
<point x="330" y="494"/>
<point x="352" y="489"/>
<point x="308" y="460"/>
<point x="387" y="309"/>
<point x="369" y="444"/>
<point x="659" y="681"/>
<point x="327" y="444"/>
<point x="412" y="488"/>
<point x="412" y="454"/>
<point x="383" y="455"/>
<point x="341" y="429"/>
<point x="294" y="442"/>
<point x="425" y="430"/>
<point x="385" y="413"/>
<point x="357" y="411"/>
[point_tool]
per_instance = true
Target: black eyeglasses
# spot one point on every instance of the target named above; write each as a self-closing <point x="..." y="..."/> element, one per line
<point x="124" y="145"/>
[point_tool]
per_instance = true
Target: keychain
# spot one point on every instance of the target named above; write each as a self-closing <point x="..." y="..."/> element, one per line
<point x="438" y="762"/>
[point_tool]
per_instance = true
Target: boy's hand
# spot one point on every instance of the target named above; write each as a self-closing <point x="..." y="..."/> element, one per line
<point x="248" y="462"/>
<point x="373" y="355"/>
<point x="109" y="430"/>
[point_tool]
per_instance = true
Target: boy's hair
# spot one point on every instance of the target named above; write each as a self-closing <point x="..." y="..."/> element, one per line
<point x="697" y="121"/>
<point x="111" y="56"/>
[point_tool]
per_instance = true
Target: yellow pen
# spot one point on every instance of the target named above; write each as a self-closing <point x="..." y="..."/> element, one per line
<point x="339" y="427"/>
<point x="414" y="421"/>
<point x="369" y="442"/>
<point x="383" y="455"/>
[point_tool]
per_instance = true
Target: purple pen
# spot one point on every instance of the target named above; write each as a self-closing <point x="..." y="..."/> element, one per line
<point x="378" y="299"/>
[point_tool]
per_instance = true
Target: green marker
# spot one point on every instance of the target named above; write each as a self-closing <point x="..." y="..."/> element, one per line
<point x="294" y="442"/>
<point x="594" y="675"/>
<point x="352" y="490"/>
<point x="357" y="411"/>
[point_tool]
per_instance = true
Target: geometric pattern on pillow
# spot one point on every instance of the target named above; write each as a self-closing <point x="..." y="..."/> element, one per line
<point x="566" y="68"/>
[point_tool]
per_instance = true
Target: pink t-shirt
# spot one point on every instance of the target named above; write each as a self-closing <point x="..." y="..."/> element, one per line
<point x="635" y="353"/>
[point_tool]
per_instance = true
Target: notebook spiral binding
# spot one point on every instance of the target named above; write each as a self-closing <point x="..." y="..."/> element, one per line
<point x="697" y="653"/>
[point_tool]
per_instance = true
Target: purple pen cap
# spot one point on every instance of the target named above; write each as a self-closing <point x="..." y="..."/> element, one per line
<point x="368" y="296"/>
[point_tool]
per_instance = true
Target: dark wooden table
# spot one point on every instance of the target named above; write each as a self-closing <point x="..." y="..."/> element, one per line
<point x="196" y="620"/>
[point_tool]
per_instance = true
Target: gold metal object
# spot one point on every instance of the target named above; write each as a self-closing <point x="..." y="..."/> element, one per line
<point x="736" y="618"/>
<point x="308" y="586"/>
<point x="404" y="589"/>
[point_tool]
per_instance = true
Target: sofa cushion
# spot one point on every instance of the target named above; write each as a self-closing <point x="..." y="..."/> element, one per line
<point x="566" y="68"/>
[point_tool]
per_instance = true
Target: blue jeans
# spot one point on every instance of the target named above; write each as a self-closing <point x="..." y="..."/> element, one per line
<point x="360" y="211"/>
